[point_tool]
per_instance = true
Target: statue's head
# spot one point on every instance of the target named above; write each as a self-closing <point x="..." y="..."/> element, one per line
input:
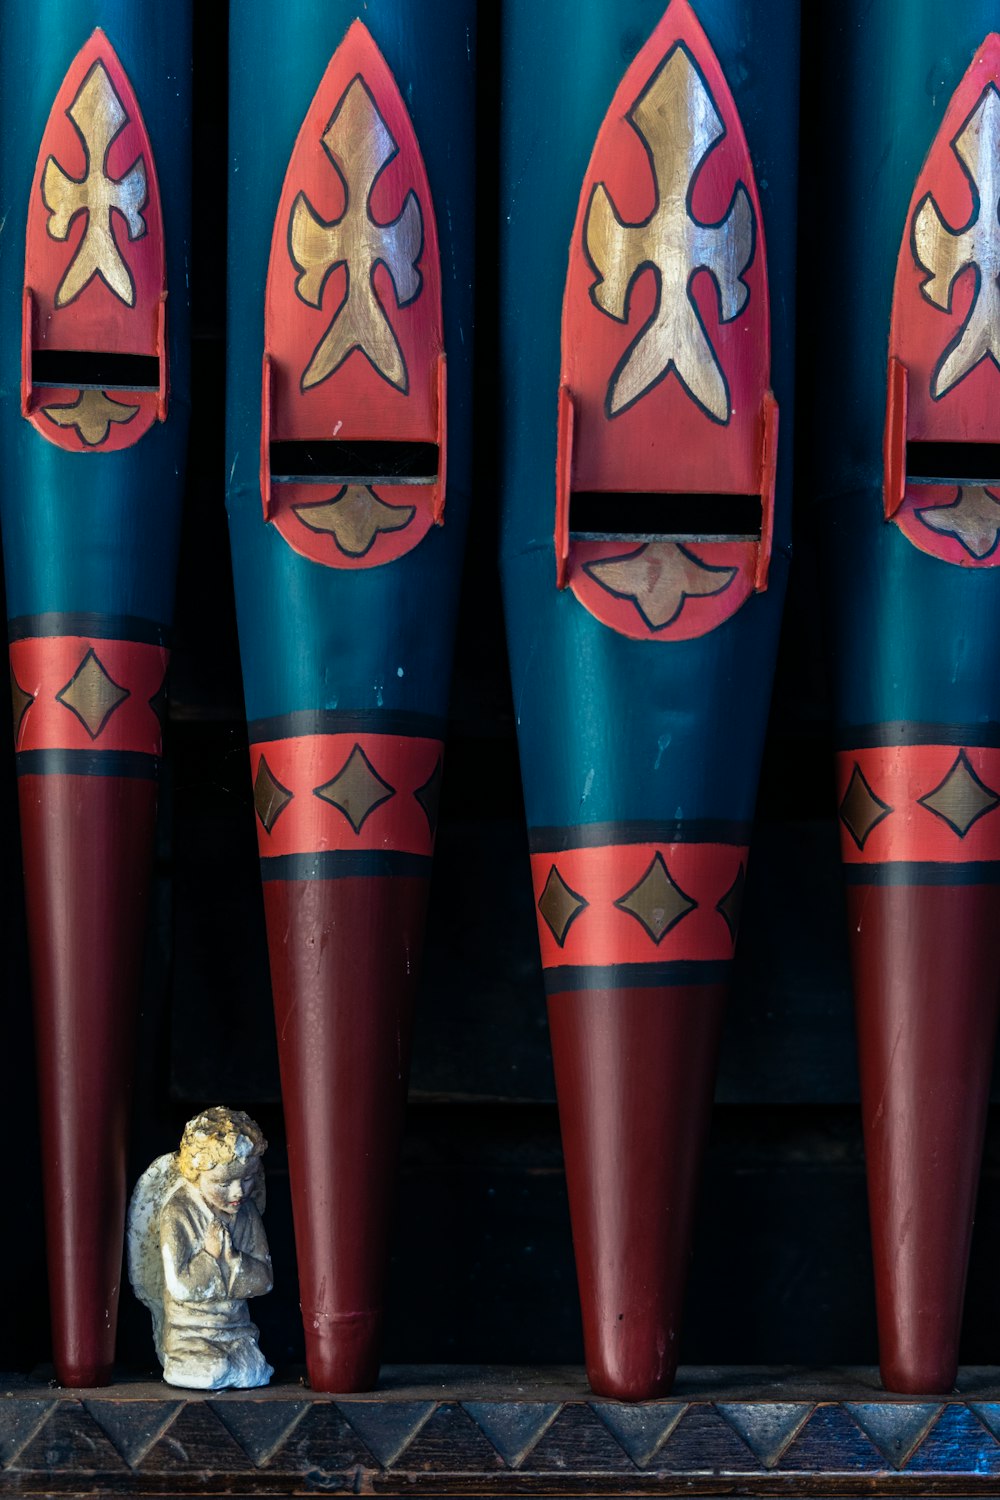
<point x="220" y="1153"/>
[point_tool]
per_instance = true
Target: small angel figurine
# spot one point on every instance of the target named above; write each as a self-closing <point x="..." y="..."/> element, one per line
<point x="197" y="1250"/>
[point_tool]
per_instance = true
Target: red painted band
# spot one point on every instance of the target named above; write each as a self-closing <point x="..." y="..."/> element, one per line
<point x="638" y="903"/>
<point x="935" y="803"/>
<point x="346" y="792"/>
<point x="74" y="692"/>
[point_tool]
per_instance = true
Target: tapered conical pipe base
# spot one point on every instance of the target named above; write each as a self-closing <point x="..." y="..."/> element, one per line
<point x="635" y="1073"/>
<point x="344" y="960"/>
<point x="87" y="844"/>
<point x="926" y="963"/>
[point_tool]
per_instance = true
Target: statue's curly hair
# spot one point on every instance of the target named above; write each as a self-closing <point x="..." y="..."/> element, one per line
<point x="217" y="1137"/>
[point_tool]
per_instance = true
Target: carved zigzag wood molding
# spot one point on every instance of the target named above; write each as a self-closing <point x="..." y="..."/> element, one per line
<point x="490" y="1435"/>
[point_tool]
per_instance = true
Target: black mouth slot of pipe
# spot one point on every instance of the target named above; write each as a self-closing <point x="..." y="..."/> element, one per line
<point x="346" y="462"/>
<point x="87" y="371"/>
<point x="619" y="515"/>
<point x="953" y="463"/>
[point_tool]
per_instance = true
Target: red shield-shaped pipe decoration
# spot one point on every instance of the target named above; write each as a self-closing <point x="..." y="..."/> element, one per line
<point x="666" y="353"/>
<point x="944" y="345"/>
<point x="93" y="355"/>
<point x="353" y="432"/>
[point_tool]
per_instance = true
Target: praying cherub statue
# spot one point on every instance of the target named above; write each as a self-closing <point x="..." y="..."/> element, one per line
<point x="197" y="1250"/>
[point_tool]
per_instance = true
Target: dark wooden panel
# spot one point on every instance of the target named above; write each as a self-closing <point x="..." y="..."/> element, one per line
<point x="499" y="1431"/>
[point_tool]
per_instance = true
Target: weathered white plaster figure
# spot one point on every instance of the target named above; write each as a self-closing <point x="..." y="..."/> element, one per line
<point x="197" y="1250"/>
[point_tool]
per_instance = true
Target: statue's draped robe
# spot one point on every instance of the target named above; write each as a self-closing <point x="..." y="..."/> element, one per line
<point x="208" y="1338"/>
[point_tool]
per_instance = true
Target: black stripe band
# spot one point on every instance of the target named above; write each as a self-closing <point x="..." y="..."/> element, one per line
<point x="342" y="864"/>
<point x="910" y="732"/>
<point x="346" y="721"/>
<point x="601" y="835"/>
<point x="100" y="627"/>
<point x="924" y="872"/>
<point x="133" y="764"/>
<point x="568" y="977"/>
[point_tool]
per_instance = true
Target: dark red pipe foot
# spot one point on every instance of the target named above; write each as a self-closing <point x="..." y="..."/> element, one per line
<point x="635" y="1075"/>
<point x="926" y="978"/>
<point x="344" y="961"/>
<point x="87" y="844"/>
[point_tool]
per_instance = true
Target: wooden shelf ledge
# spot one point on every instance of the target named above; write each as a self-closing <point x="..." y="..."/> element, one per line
<point x="504" y="1431"/>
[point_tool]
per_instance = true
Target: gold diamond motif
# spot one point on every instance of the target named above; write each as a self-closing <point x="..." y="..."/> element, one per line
<point x="657" y="902"/>
<point x="729" y="907"/>
<point x="92" y="694"/>
<point x="356" y="790"/>
<point x="429" y="795"/>
<point x="21" y="701"/>
<point x="270" y="798"/>
<point x="355" y="518"/>
<point x="560" y="906"/>
<point x="861" y="810"/>
<point x="961" y="799"/>
<point x="159" y="702"/>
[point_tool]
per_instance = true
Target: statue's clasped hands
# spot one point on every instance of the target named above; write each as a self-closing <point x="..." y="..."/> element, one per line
<point x="219" y="1242"/>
